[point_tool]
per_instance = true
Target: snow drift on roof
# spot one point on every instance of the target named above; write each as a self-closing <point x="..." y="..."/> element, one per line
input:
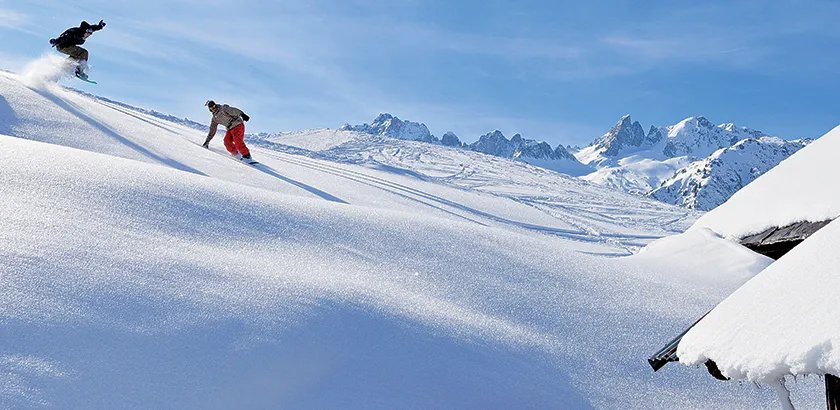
<point x="723" y="262"/>
<point x="783" y="321"/>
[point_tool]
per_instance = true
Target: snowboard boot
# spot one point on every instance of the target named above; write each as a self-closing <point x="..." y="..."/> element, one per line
<point x="81" y="67"/>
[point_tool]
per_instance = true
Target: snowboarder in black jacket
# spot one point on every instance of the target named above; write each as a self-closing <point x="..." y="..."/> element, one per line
<point x="70" y="40"/>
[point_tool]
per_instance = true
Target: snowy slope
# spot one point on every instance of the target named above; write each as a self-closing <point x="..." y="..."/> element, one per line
<point x="140" y="270"/>
<point x="637" y="174"/>
<point x="523" y="195"/>
<point x="707" y="183"/>
<point x="722" y="260"/>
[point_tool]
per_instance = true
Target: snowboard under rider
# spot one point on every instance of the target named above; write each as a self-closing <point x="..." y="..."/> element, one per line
<point x="232" y="119"/>
<point x="70" y="40"/>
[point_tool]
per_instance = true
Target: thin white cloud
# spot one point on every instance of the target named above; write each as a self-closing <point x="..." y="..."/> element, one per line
<point x="737" y="50"/>
<point x="12" y="19"/>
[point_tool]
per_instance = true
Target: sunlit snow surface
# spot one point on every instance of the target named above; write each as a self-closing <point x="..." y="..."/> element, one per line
<point x="139" y="270"/>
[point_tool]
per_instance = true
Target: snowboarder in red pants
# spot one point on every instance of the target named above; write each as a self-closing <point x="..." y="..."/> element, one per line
<point x="232" y="119"/>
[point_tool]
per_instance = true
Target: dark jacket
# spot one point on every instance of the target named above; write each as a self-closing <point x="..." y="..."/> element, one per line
<point x="75" y="36"/>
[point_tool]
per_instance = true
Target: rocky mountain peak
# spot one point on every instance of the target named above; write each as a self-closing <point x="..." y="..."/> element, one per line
<point x="390" y="126"/>
<point x="625" y="135"/>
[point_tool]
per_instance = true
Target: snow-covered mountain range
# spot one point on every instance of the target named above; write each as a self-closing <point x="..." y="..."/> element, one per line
<point x="695" y="137"/>
<point x="693" y="163"/>
<point x="681" y="164"/>
<point x="495" y="143"/>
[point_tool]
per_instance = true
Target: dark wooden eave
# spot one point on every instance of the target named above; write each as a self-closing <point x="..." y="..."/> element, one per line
<point x="777" y="241"/>
<point x="668" y="353"/>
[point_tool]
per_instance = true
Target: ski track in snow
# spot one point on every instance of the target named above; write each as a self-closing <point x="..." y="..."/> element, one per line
<point x="578" y="216"/>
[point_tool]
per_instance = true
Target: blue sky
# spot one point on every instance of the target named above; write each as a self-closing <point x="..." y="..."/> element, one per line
<point x="561" y="71"/>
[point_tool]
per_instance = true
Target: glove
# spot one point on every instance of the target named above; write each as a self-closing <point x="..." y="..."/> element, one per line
<point x="53" y="41"/>
<point x="101" y="24"/>
<point x="245" y="117"/>
<point x="206" y="143"/>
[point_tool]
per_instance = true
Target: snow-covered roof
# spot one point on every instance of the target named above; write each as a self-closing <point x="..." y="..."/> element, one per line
<point x="783" y="321"/>
<point x="801" y="188"/>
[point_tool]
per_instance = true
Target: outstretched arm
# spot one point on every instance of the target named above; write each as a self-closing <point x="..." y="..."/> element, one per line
<point x="97" y="27"/>
<point x="213" y="127"/>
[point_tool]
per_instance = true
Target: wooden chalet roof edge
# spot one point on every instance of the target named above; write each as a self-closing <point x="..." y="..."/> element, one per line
<point x="668" y="353"/>
<point x="797" y="231"/>
<point x="772" y="242"/>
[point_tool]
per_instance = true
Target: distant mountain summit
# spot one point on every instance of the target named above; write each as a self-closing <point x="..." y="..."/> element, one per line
<point x="533" y="152"/>
<point x="389" y="126"/>
<point x="625" y="136"/>
<point x="495" y="143"/>
<point x="698" y="137"/>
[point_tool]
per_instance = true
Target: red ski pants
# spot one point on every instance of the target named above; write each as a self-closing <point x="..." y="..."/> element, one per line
<point x="235" y="140"/>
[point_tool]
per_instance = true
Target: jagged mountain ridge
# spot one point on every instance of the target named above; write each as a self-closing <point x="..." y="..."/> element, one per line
<point x="495" y="143"/>
<point x="393" y="127"/>
<point x="625" y="135"/>
<point x="695" y="137"/>
<point x="692" y="163"/>
<point x="698" y="137"/>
